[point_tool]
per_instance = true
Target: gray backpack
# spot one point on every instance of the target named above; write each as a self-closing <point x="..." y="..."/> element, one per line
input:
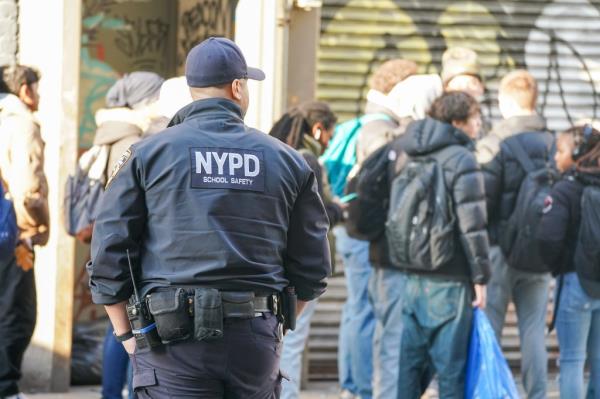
<point x="421" y="223"/>
<point x="84" y="189"/>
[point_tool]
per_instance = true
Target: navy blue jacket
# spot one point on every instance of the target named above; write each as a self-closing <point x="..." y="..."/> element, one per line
<point x="210" y="202"/>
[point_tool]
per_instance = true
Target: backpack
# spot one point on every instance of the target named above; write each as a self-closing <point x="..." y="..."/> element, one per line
<point x="367" y="211"/>
<point x="83" y="190"/>
<point x="9" y="231"/>
<point x="517" y="237"/>
<point x="421" y="222"/>
<point x="587" y="250"/>
<point x="340" y="156"/>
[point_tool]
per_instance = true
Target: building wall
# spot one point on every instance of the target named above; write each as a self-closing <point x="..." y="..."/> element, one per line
<point x="555" y="40"/>
<point x="8" y="31"/>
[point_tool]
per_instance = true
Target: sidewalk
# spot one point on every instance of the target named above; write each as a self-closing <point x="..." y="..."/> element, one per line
<point x="319" y="390"/>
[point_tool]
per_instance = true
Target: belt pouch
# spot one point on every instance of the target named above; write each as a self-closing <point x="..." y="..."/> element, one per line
<point x="171" y="315"/>
<point x="238" y="304"/>
<point x="208" y="314"/>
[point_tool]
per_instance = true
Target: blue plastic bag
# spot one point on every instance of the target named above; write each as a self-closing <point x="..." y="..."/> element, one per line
<point x="488" y="374"/>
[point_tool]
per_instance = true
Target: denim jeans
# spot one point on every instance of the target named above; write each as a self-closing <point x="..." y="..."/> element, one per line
<point x="529" y="292"/>
<point x="436" y="317"/>
<point x="355" y="349"/>
<point x="386" y="290"/>
<point x="578" y="329"/>
<point x="291" y="354"/>
<point x="115" y="365"/>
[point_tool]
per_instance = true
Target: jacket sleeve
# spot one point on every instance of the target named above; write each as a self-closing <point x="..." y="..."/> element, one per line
<point x="118" y="228"/>
<point x="307" y="260"/>
<point x="469" y="201"/>
<point x="26" y="179"/>
<point x="552" y="231"/>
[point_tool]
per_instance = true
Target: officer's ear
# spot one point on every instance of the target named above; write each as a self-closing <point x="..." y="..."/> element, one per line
<point x="237" y="89"/>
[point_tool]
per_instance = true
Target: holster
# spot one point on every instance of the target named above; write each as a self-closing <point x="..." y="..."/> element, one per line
<point x="289" y="301"/>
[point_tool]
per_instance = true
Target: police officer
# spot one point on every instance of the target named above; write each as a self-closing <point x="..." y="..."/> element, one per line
<point x="217" y="220"/>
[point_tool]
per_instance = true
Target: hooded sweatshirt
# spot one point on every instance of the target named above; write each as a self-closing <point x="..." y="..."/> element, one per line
<point x="465" y="185"/>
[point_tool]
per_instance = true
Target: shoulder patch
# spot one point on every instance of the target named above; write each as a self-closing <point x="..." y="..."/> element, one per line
<point x="117" y="167"/>
<point x="548" y="202"/>
<point x="231" y="168"/>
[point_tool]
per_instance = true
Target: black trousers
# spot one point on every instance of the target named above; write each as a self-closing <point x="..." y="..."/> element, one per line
<point x="17" y="321"/>
<point x="242" y="364"/>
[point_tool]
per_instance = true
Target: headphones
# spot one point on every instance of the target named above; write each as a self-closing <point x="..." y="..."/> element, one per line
<point x="581" y="143"/>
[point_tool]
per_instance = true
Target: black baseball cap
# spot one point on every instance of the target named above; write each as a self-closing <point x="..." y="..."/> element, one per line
<point x="217" y="61"/>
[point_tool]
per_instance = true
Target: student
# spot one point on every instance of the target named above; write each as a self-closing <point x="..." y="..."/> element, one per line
<point x="22" y="165"/>
<point x="307" y="128"/>
<point x="578" y="303"/>
<point x="522" y="128"/>
<point x="439" y="295"/>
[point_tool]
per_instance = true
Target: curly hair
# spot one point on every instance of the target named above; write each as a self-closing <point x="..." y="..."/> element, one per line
<point x="454" y="106"/>
<point x="390" y="73"/>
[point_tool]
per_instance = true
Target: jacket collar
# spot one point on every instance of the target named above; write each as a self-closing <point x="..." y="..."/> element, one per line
<point x="211" y="110"/>
<point x="520" y="124"/>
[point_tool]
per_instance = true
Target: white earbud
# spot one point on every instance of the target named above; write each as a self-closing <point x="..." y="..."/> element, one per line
<point x="318" y="134"/>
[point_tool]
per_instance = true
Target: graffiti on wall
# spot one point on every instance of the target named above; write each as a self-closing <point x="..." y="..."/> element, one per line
<point x="561" y="54"/>
<point x="199" y="19"/>
<point x="120" y="37"/>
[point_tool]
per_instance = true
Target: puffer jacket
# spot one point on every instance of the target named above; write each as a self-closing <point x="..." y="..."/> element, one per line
<point x="22" y="165"/>
<point x="464" y="181"/>
<point x="502" y="172"/>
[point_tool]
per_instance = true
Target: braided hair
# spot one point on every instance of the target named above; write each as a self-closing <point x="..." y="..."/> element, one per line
<point x="298" y="121"/>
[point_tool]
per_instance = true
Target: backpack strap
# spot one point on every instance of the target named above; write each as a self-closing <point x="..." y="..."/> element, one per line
<point x="521" y="156"/>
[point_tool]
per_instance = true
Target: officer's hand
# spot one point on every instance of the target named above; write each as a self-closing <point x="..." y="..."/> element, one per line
<point x="24" y="256"/>
<point x="129" y="345"/>
<point x="480" y="296"/>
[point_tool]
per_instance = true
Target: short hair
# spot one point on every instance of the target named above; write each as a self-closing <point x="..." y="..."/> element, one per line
<point x="15" y="76"/>
<point x="390" y="73"/>
<point x="521" y="86"/>
<point x="454" y="106"/>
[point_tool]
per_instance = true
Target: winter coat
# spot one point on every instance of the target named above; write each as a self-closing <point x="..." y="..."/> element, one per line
<point x="465" y="184"/>
<point x="118" y="128"/>
<point x="558" y="232"/>
<point x="502" y="172"/>
<point x="22" y="166"/>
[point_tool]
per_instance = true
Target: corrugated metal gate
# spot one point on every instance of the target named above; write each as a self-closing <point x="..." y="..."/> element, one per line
<point x="555" y="40"/>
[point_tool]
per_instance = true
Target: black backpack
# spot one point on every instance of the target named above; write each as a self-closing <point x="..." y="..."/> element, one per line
<point x="517" y="237"/>
<point x="421" y="223"/>
<point x="367" y="210"/>
<point x="587" y="250"/>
